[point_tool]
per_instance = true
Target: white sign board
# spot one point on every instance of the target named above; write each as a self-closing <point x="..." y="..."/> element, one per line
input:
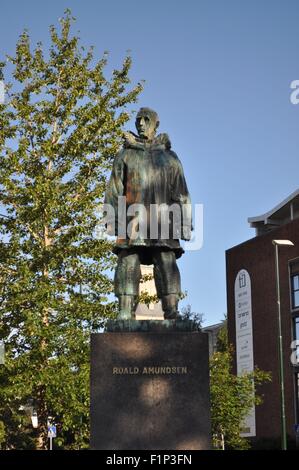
<point x="244" y="338"/>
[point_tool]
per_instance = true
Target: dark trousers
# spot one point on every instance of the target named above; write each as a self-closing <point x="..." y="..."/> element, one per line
<point x="128" y="273"/>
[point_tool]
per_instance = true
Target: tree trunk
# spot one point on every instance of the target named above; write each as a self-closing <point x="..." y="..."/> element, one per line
<point x="42" y="412"/>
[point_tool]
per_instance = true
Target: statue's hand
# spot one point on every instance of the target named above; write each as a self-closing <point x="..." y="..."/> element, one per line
<point x="129" y="138"/>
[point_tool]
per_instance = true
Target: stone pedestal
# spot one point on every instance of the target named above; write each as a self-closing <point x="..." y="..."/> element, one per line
<point x="150" y="387"/>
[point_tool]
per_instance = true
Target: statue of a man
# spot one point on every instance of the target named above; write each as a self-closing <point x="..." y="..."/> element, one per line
<point x="149" y="177"/>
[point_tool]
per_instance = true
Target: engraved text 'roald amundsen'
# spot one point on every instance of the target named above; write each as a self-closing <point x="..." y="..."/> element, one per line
<point x="154" y="370"/>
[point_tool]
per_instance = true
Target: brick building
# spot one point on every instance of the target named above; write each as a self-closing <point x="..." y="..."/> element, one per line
<point x="252" y="316"/>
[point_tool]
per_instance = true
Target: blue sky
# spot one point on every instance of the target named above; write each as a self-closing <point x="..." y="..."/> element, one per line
<point x="218" y="73"/>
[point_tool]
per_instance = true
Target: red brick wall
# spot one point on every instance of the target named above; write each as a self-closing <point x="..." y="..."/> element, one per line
<point x="258" y="258"/>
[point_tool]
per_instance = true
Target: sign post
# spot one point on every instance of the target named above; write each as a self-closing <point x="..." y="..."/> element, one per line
<point x="51" y="434"/>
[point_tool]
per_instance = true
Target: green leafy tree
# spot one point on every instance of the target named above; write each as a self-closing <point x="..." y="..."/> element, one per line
<point x="187" y="314"/>
<point x="232" y="396"/>
<point x="144" y="297"/>
<point x="60" y="126"/>
<point x="2" y="433"/>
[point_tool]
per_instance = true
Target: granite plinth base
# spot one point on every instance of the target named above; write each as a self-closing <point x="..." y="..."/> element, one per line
<point x="150" y="388"/>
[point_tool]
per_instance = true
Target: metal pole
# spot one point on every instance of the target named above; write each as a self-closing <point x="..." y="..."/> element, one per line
<point x="280" y="350"/>
<point x="51" y="443"/>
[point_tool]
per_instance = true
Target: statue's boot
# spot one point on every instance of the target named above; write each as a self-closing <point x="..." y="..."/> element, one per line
<point x="170" y="306"/>
<point x="126" y="305"/>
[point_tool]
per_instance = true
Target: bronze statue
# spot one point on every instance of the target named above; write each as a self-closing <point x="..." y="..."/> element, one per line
<point x="149" y="177"/>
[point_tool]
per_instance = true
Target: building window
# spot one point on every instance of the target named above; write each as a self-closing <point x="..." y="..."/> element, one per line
<point x="294" y="274"/>
<point x="295" y="290"/>
<point x="296" y="338"/>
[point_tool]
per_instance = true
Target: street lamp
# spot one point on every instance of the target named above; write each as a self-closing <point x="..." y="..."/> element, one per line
<point x="278" y="243"/>
<point x="34" y="419"/>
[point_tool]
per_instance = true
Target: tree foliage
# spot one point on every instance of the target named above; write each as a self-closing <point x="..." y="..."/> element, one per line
<point x="232" y="396"/>
<point x="60" y="126"/>
<point x="186" y="313"/>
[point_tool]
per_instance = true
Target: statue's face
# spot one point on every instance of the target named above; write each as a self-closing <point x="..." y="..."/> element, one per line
<point x="146" y="126"/>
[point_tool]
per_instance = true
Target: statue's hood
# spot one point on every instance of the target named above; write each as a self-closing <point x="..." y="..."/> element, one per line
<point x="133" y="141"/>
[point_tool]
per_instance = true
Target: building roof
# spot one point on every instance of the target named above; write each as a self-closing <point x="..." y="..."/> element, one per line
<point x="283" y="213"/>
<point x="214" y="327"/>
